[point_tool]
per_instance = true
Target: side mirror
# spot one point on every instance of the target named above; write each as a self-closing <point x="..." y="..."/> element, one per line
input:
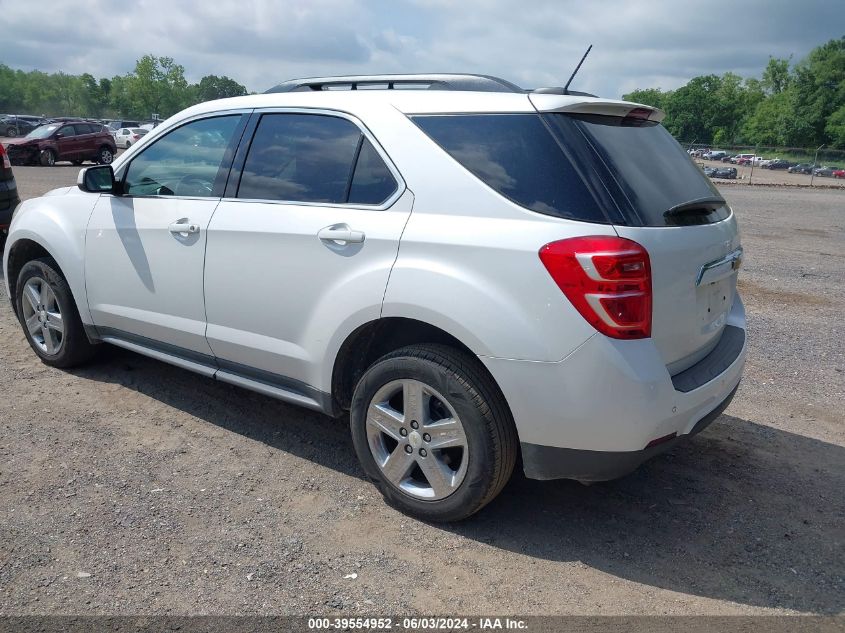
<point x="97" y="179"/>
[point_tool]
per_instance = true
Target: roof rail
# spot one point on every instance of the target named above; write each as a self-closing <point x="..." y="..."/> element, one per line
<point x="479" y="83"/>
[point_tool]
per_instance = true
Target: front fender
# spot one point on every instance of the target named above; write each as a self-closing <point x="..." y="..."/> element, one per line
<point x="57" y="224"/>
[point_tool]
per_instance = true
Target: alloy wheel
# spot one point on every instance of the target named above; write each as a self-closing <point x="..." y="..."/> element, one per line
<point x="417" y="440"/>
<point x="43" y="316"/>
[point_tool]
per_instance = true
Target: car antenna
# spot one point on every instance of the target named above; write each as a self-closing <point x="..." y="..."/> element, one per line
<point x="577" y="68"/>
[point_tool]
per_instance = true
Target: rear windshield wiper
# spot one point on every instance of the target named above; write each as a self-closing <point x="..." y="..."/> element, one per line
<point x="699" y="206"/>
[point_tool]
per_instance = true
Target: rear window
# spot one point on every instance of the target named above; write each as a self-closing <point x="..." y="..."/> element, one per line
<point x="655" y="178"/>
<point x="515" y="155"/>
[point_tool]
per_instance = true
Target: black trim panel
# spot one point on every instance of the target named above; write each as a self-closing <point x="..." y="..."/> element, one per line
<point x="715" y="363"/>
<point x="267" y="378"/>
<point x="551" y="462"/>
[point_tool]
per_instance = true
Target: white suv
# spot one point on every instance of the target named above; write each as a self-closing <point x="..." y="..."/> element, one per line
<point x="472" y="270"/>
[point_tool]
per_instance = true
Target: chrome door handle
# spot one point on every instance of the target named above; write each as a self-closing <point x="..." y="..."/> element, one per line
<point x="341" y="233"/>
<point x="184" y="227"/>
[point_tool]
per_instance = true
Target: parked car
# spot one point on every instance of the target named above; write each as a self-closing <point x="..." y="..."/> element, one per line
<point x="126" y="137"/>
<point x="727" y="158"/>
<point x="530" y="312"/>
<point x="839" y="173"/>
<point x="715" y="154"/>
<point x="13" y="126"/>
<point x="724" y="172"/>
<point x="708" y="171"/>
<point x="76" y="142"/>
<point x="801" y="168"/>
<point x="742" y="159"/>
<point x="8" y="195"/>
<point x="825" y="171"/>
<point x="778" y="163"/>
<point x="115" y="126"/>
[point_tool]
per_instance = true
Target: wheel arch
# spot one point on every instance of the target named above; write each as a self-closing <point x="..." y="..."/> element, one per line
<point x="24" y="245"/>
<point x="372" y="340"/>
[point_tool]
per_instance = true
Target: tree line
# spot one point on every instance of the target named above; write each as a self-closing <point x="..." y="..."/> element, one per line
<point x="157" y="85"/>
<point x="790" y="105"/>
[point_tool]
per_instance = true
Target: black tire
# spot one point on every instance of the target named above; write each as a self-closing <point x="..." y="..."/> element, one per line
<point x="487" y="424"/>
<point x="47" y="158"/>
<point x="105" y="155"/>
<point x="128" y="145"/>
<point x="74" y="348"/>
<point x="11" y="132"/>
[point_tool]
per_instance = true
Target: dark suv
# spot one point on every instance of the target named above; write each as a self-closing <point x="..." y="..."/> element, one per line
<point x="13" y="125"/>
<point x="75" y="142"/>
<point x="8" y="195"/>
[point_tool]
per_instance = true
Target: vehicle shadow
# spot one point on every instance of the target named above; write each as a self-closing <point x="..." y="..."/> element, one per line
<point x="742" y="512"/>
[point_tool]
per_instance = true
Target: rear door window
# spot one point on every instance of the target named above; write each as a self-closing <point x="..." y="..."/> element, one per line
<point x="517" y="156"/>
<point x="301" y="158"/>
<point x="372" y="182"/>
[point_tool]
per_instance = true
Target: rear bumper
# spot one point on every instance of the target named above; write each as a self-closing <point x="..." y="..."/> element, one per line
<point x="549" y="462"/>
<point x="593" y="415"/>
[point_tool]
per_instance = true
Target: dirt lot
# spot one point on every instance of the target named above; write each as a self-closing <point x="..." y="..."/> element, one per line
<point x="134" y="487"/>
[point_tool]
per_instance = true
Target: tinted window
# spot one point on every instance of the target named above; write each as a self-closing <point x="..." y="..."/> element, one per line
<point x="83" y="128"/>
<point x="652" y="171"/>
<point x="516" y="155"/>
<point x="67" y="130"/>
<point x="185" y="162"/>
<point x="300" y="157"/>
<point x="372" y="183"/>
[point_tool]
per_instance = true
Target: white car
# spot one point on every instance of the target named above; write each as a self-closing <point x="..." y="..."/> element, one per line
<point x="472" y="271"/>
<point x="126" y="137"/>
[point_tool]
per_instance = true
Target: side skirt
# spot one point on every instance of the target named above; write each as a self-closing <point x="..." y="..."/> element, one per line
<point x="267" y="383"/>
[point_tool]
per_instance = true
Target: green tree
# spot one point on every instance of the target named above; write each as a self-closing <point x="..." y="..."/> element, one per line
<point x="213" y="87"/>
<point x="820" y="91"/>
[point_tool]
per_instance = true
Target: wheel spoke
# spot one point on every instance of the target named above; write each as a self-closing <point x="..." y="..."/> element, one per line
<point x="49" y="339"/>
<point x="33" y="325"/>
<point x="55" y="322"/>
<point x="398" y="465"/>
<point x="413" y="400"/>
<point x="386" y="419"/>
<point x="32" y="296"/>
<point x="446" y="433"/>
<point x="48" y="298"/>
<point x="439" y="477"/>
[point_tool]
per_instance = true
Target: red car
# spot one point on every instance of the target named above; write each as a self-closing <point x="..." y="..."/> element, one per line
<point x="839" y="173"/>
<point x="76" y="142"/>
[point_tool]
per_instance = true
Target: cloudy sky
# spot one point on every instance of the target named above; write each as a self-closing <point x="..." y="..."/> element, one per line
<point x="659" y="43"/>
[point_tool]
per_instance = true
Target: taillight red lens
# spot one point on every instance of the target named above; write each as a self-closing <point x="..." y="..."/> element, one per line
<point x="607" y="279"/>
<point x="6" y="163"/>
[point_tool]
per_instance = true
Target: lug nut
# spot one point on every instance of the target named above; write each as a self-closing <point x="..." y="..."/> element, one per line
<point x="426" y="437"/>
<point x="403" y="432"/>
<point x="415" y="424"/>
<point x="423" y="452"/>
<point x="408" y="449"/>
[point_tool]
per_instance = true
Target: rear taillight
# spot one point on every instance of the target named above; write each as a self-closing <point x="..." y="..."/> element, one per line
<point x="6" y="163"/>
<point x="607" y="279"/>
<point x="135" y="137"/>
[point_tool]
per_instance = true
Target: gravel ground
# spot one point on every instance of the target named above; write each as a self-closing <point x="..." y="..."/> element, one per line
<point x="131" y="486"/>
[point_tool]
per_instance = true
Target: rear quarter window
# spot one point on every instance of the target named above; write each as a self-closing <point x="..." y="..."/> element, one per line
<point x="517" y="156"/>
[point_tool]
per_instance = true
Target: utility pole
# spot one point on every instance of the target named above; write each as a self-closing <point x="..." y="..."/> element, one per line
<point x="751" y="175"/>
<point x="815" y="162"/>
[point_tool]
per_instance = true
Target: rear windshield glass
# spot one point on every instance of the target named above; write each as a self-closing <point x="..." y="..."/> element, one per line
<point x="655" y="178"/>
<point x="517" y="156"/>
